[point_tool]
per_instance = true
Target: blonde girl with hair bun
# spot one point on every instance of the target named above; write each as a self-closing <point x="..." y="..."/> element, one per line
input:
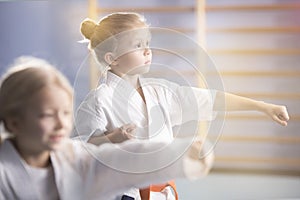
<point x="108" y="28"/>
<point x="105" y="39"/>
<point x="125" y="105"/>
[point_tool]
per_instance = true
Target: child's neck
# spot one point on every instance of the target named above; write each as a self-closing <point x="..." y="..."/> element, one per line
<point x="40" y="159"/>
<point x="133" y="80"/>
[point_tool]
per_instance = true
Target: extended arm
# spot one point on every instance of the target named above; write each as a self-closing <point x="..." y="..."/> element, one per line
<point x="237" y="103"/>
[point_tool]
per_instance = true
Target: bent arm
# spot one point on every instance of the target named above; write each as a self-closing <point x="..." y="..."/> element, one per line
<point x="117" y="135"/>
<point x="114" y="136"/>
<point x="90" y="120"/>
<point x="98" y="140"/>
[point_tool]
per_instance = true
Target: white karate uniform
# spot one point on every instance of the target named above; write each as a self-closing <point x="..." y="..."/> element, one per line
<point x="79" y="175"/>
<point x="115" y="103"/>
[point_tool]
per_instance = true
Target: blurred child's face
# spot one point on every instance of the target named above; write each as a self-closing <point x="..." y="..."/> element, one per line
<point x="134" y="55"/>
<point x="47" y="120"/>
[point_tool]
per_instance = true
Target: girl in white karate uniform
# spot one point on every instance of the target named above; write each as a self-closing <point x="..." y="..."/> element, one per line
<point x="38" y="161"/>
<point x="125" y="105"/>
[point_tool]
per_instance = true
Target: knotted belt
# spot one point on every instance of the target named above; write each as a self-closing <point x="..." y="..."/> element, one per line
<point x="145" y="193"/>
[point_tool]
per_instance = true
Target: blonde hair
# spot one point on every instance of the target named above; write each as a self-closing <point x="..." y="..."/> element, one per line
<point x="107" y="28"/>
<point x="26" y="77"/>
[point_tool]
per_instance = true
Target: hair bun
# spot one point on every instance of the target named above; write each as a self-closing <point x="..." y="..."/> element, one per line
<point x="88" y="27"/>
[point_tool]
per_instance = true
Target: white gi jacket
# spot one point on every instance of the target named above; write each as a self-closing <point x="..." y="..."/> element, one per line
<point x="115" y="103"/>
<point x="78" y="175"/>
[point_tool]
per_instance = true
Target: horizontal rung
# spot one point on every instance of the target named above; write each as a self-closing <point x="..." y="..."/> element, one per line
<point x="182" y="29"/>
<point x="291" y="96"/>
<point x="241" y="30"/>
<point x="257" y="117"/>
<point x="269" y="7"/>
<point x="262" y="139"/>
<point x="255" y="51"/>
<point x="147" y="9"/>
<point x="255" y="30"/>
<point x="284" y="161"/>
<point x="255" y="171"/>
<point x="250" y="52"/>
<point x="278" y="73"/>
<point x="278" y="7"/>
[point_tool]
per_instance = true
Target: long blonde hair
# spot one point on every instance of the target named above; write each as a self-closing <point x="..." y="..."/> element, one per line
<point x="25" y="78"/>
<point x="107" y="28"/>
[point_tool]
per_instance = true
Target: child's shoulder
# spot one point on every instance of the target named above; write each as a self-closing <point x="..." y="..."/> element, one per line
<point x="98" y="93"/>
<point x="70" y="150"/>
<point x="6" y="148"/>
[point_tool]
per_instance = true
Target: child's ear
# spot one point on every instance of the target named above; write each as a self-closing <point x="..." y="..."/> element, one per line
<point x="109" y="59"/>
<point x="12" y="124"/>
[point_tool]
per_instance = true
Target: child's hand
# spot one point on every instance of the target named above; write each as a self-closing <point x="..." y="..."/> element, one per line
<point x="277" y="113"/>
<point x="202" y="152"/>
<point x="200" y="149"/>
<point x="121" y="134"/>
<point x="128" y="130"/>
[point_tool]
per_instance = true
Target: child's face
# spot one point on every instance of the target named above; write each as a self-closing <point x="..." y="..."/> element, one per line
<point x="47" y="120"/>
<point x="134" y="54"/>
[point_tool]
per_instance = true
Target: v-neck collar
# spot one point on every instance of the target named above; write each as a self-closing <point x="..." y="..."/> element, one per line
<point x="125" y="89"/>
<point x="13" y="161"/>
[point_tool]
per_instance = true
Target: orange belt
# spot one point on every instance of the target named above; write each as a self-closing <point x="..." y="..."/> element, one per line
<point x="145" y="193"/>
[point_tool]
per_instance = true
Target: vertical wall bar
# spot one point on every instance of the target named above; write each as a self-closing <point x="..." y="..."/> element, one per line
<point x="201" y="59"/>
<point x="92" y="14"/>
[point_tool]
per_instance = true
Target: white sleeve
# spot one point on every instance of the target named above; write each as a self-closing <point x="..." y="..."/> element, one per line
<point x="2" y="194"/>
<point x="190" y="103"/>
<point x="140" y="163"/>
<point x="90" y="119"/>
